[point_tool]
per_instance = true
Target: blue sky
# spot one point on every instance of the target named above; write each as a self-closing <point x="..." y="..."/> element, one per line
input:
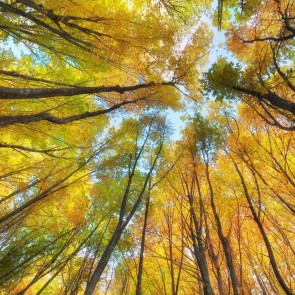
<point x="218" y="49"/>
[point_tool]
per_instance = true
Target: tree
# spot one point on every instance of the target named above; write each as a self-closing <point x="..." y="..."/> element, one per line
<point x="97" y="196"/>
<point x="262" y="42"/>
<point x="125" y="215"/>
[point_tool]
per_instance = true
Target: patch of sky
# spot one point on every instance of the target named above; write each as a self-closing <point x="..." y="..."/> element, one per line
<point x="17" y="49"/>
<point x="218" y="49"/>
<point x="21" y="49"/>
<point x="72" y="62"/>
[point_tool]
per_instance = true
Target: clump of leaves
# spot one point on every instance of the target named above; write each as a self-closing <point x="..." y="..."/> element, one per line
<point x="220" y="79"/>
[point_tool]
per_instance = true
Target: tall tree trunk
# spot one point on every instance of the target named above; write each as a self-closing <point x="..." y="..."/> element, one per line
<point x="140" y="266"/>
<point x="199" y="250"/>
<point x="123" y="222"/>
<point x="264" y="235"/>
<point x="223" y="239"/>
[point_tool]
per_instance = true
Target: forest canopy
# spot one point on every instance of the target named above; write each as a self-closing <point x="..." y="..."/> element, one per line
<point x="147" y="147"/>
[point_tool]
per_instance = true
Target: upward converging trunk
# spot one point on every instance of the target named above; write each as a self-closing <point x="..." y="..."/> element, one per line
<point x="264" y="235"/>
<point x="199" y="251"/>
<point x="223" y="239"/>
<point x="124" y="219"/>
<point x="142" y="246"/>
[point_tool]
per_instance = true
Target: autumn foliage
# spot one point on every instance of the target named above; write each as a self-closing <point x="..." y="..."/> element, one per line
<point x="103" y="191"/>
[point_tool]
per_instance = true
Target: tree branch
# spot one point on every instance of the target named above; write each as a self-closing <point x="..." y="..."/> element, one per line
<point x="33" y="93"/>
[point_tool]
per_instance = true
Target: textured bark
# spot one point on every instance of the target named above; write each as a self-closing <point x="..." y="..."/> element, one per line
<point x="213" y="256"/>
<point x="275" y="100"/>
<point x="199" y="250"/>
<point x="201" y="260"/>
<point x="25" y="119"/>
<point x="198" y="240"/>
<point x="35" y="93"/>
<point x="140" y="266"/>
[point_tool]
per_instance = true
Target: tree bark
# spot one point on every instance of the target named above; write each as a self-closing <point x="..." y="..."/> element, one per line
<point x="25" y="119"/>
<point x="199" y="250"/>
<point x="140" y="266"/>
<point x="223" y="239"/>
<point x="35" y="93"/>
<point x="271" y="97"/>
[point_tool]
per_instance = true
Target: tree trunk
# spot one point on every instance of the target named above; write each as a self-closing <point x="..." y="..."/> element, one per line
<point x="264" y="235"/>
<point x="223" y="239"/>
<point x="30" y="93"/>
<point x="140" y="266"/>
